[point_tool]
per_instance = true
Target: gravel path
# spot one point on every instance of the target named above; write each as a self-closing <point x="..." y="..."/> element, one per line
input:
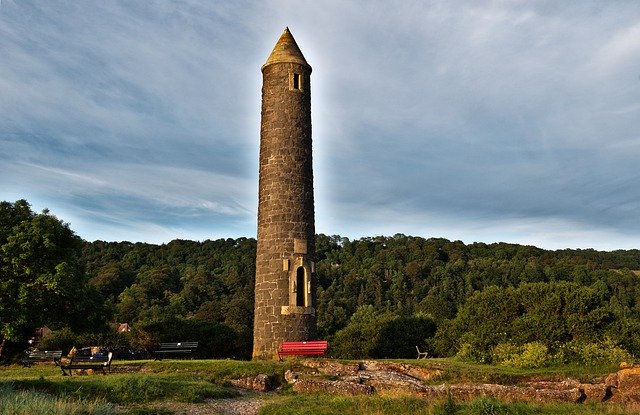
<point x="245" y="405"/>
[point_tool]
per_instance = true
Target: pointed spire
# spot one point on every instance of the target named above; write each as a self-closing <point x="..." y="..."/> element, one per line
<point x="286" y="50"/>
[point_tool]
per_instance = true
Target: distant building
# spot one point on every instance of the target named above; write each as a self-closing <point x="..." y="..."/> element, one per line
<point x="121" y="327"/>
<point x="285" y="283"/>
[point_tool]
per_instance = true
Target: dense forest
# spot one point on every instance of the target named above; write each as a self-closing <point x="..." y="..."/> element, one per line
<point x="377" y="297"/>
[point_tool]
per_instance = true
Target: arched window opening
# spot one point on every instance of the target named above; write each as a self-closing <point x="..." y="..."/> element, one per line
<point x="300" y="295"/>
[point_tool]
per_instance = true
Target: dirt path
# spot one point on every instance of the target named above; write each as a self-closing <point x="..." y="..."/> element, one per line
<point x="236" y="406"/>
<point x="247" y="404"/>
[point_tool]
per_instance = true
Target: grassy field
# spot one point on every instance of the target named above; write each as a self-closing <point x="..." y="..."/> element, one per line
<point x="146" y="387"/>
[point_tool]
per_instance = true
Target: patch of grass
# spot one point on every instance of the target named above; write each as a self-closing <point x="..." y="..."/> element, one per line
<point x="454" y="371"/>
<point x="21" y="402"/>
<point x="193" y="381"/>
<point x="320" y="404"/>
<point x="37" y="370"/>
<point x="126" y="389"/>
<point x="220" y="369"/>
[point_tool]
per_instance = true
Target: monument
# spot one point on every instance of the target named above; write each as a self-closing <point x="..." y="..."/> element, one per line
<point x="285" y="285"/>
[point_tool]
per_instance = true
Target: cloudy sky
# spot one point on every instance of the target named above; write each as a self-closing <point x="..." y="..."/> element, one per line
<point x="488" y="121"/>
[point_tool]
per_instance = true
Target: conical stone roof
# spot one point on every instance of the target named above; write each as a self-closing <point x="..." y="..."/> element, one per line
<point x="286" y="50"/>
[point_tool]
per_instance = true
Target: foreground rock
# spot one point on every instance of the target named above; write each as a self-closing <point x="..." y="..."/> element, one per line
<point x="624" y="385"/>
<point x="260" y="383"/>
<point x="392" y="378"/>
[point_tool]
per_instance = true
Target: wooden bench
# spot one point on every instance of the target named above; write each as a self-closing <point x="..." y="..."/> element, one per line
<point x="177" y="349"/>
<point x="308" y="348"/>
<point x="41" y="356"/>
<point x="86" y="362"/>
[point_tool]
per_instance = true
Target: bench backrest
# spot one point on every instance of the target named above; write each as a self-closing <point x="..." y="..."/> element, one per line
<point x="45" y="354"/>
<point x="93" y="359"/>
<point x="308" y="345"/>
<point x="178" y="345"/>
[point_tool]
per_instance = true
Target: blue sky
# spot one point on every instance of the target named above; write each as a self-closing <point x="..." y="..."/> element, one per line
<point x="487" y="121"/>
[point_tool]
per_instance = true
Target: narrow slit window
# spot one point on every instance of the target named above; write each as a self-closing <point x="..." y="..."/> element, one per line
<point x="300" y="297"/>
<point x="296" y="81"/>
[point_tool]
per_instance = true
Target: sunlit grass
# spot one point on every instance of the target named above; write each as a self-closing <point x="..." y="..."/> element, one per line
<point x="29" y="402"/>
<point x="139" y="386"/>
<point x="463" y="372"/>
<point x="321" y="404"/>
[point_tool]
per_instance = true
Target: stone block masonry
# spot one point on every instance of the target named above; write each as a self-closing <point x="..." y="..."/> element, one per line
<point x="285" y="284"/>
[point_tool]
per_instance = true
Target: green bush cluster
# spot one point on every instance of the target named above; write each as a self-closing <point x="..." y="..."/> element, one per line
<point x="536" y="354"/>
<point x="382" y="335"/>
<point x="534" y="324"/>
<point x="215" y="340"/>
<point x="528" y="356"/>
<point x="605" y="352"/>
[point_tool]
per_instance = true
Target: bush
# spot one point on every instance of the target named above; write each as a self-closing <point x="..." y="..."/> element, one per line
<point x="63" y="339"/>
<point x="533" y="356"/>
<point x="504" y="352"/>
<point x="385" y="336"/>
<point x="215" y="340"/>
<point x="472" y="350"/>
<point x="593" y="354"/>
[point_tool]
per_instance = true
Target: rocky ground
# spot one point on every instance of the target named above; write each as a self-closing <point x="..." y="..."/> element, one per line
<point x="374" y="377"/>
<point x="386" y="377"/>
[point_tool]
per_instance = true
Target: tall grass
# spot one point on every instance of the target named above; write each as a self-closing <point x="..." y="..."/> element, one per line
<point x="384" y="405"/>
<point x="17" y="402"/>
<point x="128" y="389"/>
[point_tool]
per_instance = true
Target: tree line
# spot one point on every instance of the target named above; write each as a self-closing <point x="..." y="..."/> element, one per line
<point x="376" y="297"/>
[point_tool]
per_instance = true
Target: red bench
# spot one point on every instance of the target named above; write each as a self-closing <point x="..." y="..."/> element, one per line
<point x="308" y="348"/>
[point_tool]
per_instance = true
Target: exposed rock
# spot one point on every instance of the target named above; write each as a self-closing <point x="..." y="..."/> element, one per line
<point x="332" y="368"/>
<point x="417" y="372"/>
<point x="394" y="377"/>
<point x="561" y="385"/>
<point x="611" y="380"/>
<point x="291" y="376"/>
<point x="389" y="380"/>
<point x="331" y="386"/>
<point x="625" y="385"/>
<point x="597" y="392"/>
<point x="260" y="383"/>
<point x="515" y="393"/>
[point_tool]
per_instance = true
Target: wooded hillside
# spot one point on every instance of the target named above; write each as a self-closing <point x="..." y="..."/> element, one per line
<point x="478" y="295"/>
<point x="376" y="297"/>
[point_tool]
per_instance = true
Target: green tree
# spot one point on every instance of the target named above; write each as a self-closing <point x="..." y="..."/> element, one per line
<point x="40" y="275"/>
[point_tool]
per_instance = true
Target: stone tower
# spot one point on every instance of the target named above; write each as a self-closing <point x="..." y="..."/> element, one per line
<point x="285" y="286"/>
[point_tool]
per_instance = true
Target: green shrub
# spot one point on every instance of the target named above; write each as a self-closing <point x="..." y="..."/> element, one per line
<point x="533" y="355"/>
<point x="472" y="350"/>
<point x="504" y="352"/>
<point x="215" y="340"/>
<point x="63" y="339"/>
<point x="382" y="336"/>
<point x="605" y="352"/>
